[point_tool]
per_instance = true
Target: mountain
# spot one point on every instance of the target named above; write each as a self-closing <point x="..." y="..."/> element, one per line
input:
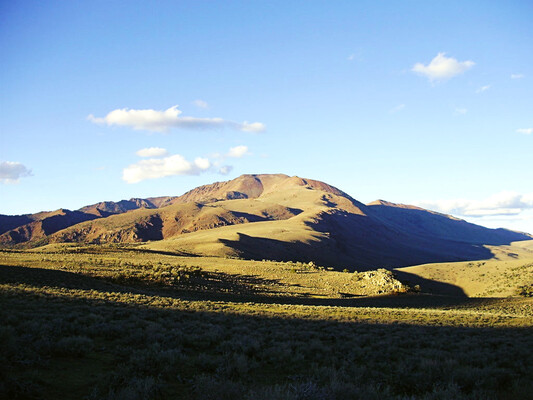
<point x="107" y="208"/>
<point x="270" y="217"/>
<point x="34" y="227"/>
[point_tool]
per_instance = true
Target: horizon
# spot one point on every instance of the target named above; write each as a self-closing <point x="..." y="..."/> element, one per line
<point x="414" y="103"/>
<point x="155" y="197"/>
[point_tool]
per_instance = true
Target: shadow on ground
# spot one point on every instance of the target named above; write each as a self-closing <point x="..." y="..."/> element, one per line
<point x="235" y="288"/>
<point x="342" y="244"/>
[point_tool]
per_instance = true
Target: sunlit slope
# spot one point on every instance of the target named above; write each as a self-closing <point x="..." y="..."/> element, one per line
<point x="270" y="239"/>
<point x="506" y="274"/>
<point x="334" y="229"/>
<point x="176" y="219"/>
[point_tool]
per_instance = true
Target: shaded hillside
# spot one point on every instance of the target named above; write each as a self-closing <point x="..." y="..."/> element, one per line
<point x="42" y="225"/>
<point x="425" y="223"/>
<point x="335" y="238"/>
<point x="8" y="222"/>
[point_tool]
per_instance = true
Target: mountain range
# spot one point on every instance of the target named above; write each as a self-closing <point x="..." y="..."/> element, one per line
<point x="268" y="216"/>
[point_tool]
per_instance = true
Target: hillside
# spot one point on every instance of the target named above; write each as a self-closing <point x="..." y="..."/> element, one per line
<point x="508" y="273"/>
<point x="35" y="227"/>
<point x="274" y="217"/>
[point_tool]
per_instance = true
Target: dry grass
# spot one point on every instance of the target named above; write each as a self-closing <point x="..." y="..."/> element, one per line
<point x="504" y="275"/>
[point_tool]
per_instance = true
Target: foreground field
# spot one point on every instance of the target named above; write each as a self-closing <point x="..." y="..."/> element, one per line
<point x="104" y="323"/>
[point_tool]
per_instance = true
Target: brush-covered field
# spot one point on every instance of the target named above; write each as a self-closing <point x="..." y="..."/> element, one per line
<point x="104" y="322"/>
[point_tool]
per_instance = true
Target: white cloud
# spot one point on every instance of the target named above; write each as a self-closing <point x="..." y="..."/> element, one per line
<point x="461" y="111"/>
<point x="525" y="131"/>
<point x="152" y="152"/>
<point x="202" y="163"/>
<point x="504" y="203"/>
<point x="442" y="67"/>
<point x="517" y="76"/>
<point x="237" y="151"/>
<point x="154" y="168"/>
<point x="250" y="127"/>
<point x="201" y="104"/>
<point x="162" y="164"/>
<point x="162" y="121"/>
<point x="483" y="88"/>
<point x="12" y="171"/>
<point x="521" y="223"/>
<point x="398" y="108"/>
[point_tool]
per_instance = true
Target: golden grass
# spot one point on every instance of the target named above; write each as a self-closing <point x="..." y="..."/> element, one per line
<point x="510" y="268"/>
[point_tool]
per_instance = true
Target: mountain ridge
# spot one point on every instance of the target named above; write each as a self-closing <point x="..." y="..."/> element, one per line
<point x="273" y="216"/>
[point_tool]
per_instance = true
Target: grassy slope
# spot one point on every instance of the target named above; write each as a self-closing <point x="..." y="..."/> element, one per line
<point x="510" y="268"/>
<point x="211" y="242"/>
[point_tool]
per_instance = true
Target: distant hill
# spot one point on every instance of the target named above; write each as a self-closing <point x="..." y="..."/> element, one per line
<point x="268" y="217"/>
<point x="107" y="208"/>
<point x="34" y="227"/>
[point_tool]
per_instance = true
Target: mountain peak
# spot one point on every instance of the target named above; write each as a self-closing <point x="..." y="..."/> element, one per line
<point x="386" y="203"/>
<point x="251" y="186"/>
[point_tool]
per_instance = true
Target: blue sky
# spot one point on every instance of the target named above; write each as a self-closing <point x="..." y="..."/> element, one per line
<point x="414" y="102"/>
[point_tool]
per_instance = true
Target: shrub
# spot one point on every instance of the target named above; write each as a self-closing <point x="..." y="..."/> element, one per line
<point x="526" y="290"/>
<point x="73" y="346"/>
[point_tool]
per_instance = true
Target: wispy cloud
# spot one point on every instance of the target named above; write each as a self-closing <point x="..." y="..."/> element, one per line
<point x="163" y="121"/>
<point x="152" y="152"/>
<point x="517" y="76"/>
<point x="525" y="131"/>
<point x="460" y="111"/>
<point x="225" y="169"/>
<point x="12" y="171"/>
<point x="201" y="104"/>
<point x="442" y="67"/>
<point x="357" y="56"/>
<point x="483" y="88"/>
<point x="397" y="108"/>
<point x="502" y="203"/>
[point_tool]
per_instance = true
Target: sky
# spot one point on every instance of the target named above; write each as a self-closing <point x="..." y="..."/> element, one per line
<point x="414" y="102"/>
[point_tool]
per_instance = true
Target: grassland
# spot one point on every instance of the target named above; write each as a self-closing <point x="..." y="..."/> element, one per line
<point x="104" y="322"/>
